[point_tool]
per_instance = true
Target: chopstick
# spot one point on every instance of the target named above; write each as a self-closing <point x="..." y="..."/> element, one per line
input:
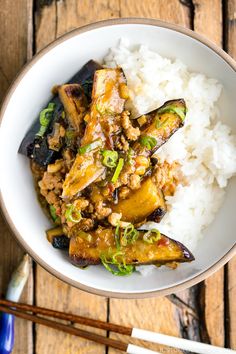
<point x="183" y="344"/>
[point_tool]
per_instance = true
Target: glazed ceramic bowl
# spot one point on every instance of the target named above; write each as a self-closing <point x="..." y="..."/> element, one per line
<point x="30" y="92"/>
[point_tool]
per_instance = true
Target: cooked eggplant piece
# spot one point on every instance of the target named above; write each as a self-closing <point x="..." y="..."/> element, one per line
<point x="57" y="238"/>
<point x="74" y="102"/>
<point x="157" y="215"/>
<point x="106" y="103"/>
<point x="85" y="77"/>
<point x="88" y="248"/>
<point x="161" y="125"/>
<point x="85" y="170"/>
<point x="42" y="154"/>
<point x="61" y="242"/>
<point x="141" y="203"/>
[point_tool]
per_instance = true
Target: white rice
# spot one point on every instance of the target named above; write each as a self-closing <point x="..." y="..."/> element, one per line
<point x="205" y="146"/>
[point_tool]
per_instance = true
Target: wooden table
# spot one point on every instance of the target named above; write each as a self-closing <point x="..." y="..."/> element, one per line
<point x="205" y="312"/>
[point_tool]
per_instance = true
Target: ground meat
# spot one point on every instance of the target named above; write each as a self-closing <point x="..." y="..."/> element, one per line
<point x="50" y="181"/>
<point x="124" y="143"/>
<point x="52" y="197"/>
<point x="124" y="192"/>
<point x="101" y="211"/>
<point x="81" y="203"/>
<point x="86" y="224"/>
<point x="134" y="182"/>
<point x="131" y="132"/>
<point x="167" y="176"/>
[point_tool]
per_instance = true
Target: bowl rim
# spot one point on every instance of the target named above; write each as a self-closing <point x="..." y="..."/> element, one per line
<point x="117" y="21"/>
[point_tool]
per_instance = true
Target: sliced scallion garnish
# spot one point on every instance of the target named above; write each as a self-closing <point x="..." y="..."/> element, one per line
<point x="129" y="236"/>
<point x="72" y="214"/>
<point x="152" y="236"/>
<point x="118" y="170"/>
<point x="148" y="141"/>
<point x="54" y="216"/>
<point x="180" y="111"/>
<point x="45" y="117"/>
<point x="110" y="158"/>
<point x="120" y="268"/>
<point x="89" y="147"/>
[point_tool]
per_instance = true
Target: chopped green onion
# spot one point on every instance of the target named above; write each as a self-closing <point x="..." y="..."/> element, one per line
<point x="120" y="268"/>
<point x="54" y="216"/>
<point x="118" y="170"/>
<point x="152" y="236"/>
<point x="45" y="117"/>
<point x="148" y="141"/>
<point x="130" y="235"/>
<point x="89" y="147"/>
<point x="117" y="236"/>
<point x="110" y="158"/>
<point x="72" y="214"/>
<point x="180" y="111"/>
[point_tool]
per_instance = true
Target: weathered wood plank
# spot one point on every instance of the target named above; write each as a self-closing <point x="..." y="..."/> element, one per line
<point x="54" y="294"/>
<point x="76" y="13"/>
<point x="171" y="11"/>
<point x="59" y="18"/>
<point x="208" y="21"/>
<point x="16" y="48"/>
<point x="231" y="48"/>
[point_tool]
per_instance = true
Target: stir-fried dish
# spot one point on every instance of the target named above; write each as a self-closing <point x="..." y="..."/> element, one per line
<point x="97" y="175"/>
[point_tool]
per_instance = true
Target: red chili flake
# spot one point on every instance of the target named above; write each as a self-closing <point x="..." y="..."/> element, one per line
<point x="163" y="241"/>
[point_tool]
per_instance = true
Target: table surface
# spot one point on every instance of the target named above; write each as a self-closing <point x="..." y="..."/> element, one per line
<point x="204" y="312"/>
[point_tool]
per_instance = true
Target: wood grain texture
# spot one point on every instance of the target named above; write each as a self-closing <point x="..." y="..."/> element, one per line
<point x="51" y="22"/>
<point x="155" y="314"/>
<point x="231" y="27"/>
<point x="16" y="48"/>
<point x="56" y="295"/>
<point x="76" y="13"/>
<point x="171" y="10"/>
<point x="230" y="36"/>
<point x="208" y="19"/>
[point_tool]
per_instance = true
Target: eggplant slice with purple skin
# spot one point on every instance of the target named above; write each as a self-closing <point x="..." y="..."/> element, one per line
<point x="88" y="249"/>
<point x="106" y="104"/>
<point x="37" y="147"/>
<point x="160" y="125"/>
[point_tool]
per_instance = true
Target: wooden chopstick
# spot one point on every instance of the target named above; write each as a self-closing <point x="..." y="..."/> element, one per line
<point x="69" y="317"/>
<point x="183" y="344"/>
<point x="128" y="348"/>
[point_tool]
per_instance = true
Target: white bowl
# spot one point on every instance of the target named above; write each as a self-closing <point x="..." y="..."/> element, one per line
<point x="30" y="92"/>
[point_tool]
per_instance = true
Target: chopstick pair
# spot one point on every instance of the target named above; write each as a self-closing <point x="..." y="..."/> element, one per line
<point x="22" y="311"/>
